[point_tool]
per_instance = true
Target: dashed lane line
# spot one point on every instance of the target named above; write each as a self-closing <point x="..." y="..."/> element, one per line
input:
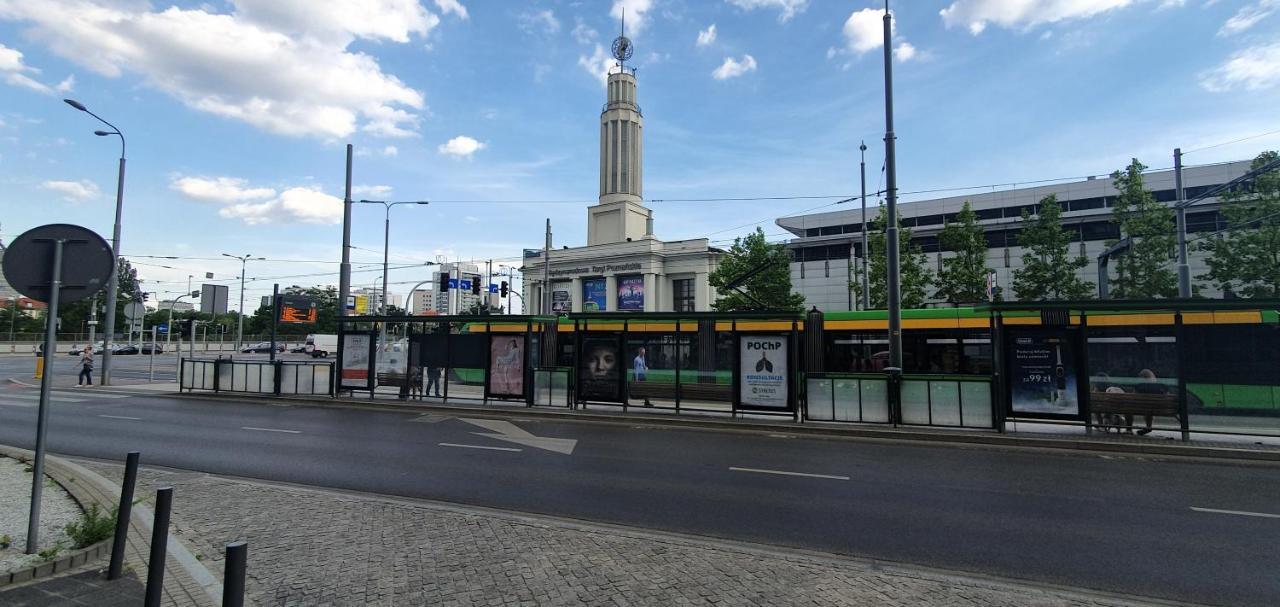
<point x="833" y="477"/>
<point x="121" y="417"/>
<point x="270" y="430"/>
<point x="485" y="447"/>
<point x="1236" y="512"/>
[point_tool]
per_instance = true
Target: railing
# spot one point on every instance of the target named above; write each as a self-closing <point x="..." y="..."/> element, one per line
<point x="961" y="401"/>
<point x="256" y="376"/>
<point x="552" y="387"/>
<point x="625" y="105"/>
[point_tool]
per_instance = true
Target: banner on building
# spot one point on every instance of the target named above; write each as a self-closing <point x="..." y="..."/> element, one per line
<point x="593" y="295"/>
<point x="631" y="293"/>
<point x="506" y="366"/>
<point x="561" y="301"/>
<point x="762" y="371"/>
<point x="1042" y="373"/>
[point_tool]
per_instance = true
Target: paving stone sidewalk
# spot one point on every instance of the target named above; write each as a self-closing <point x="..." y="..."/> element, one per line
<point x="317" y="547"/>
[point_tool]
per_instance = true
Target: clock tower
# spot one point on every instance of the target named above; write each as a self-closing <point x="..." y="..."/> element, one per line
<point x="620" y="216"/>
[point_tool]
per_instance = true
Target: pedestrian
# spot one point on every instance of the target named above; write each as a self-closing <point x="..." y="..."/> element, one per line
<point x="433" y="379"/>
<point x="1148" y="385"/>
<point x="639" y="365"/>
<point x="86" y="367"/>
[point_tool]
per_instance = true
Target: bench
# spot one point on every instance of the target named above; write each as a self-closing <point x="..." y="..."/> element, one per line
<point x="398" y="380"/>
<point x="1103" y="404"/>
<point x="688" y="391"/>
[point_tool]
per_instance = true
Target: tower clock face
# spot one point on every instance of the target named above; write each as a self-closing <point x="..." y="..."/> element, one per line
<point x="622" y="49"/>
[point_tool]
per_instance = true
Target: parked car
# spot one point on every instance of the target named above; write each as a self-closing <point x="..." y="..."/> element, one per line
<point x="146" y="348"/>
<point x="262" y="347"/>
<point x="298" y="349"/>
<point x="77" y="349"/>
<point x="123" y="349"/>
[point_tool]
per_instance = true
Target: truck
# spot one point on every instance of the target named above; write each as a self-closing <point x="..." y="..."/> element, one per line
<point x="319" y="346"/>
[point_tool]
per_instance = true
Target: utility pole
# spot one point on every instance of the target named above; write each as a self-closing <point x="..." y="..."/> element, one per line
<point x="891" y="207"/>
<point x="1184" y="270"/>
<point x="545" y="300"/>
<point x="488" y="280"/>
<point x="866" y="284"/>
<point x="344" y="270"/>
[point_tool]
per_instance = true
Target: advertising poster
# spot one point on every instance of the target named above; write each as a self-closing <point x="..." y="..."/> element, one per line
<point x="506" y="366"/>
<point x="355" y="361"/>
<point x="600" y="369"/>
<point x="1042" y="374"/>
<point x="561" y="301"/>
<point x="631" y="293"/>
<point x="593" y="295"/>
<point x="762" y="371"/>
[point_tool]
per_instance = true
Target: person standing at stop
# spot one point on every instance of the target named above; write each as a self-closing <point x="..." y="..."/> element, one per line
<point x="86" y="367"/>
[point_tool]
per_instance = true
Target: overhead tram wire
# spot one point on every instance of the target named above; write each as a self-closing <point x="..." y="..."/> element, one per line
<point x="1218" y="145"/>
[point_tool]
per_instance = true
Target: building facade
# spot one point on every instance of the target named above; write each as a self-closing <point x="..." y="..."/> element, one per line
<point x="827" y="250"/>
<point x="623" y="266"/>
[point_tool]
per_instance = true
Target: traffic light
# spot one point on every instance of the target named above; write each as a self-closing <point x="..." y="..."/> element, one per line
<point x="503" y="289"/>
<point x="475" y="286"/>
<point x="444" y="282"/>
<point x="146" y="296"/>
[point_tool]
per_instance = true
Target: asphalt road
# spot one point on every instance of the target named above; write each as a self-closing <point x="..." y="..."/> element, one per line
<point x="1101" y="522"/>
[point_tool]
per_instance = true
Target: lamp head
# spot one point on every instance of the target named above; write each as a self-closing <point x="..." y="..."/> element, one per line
<point x="863" y="147"/>
<point x="102" y="133"/>
<point x="76" y="104"/>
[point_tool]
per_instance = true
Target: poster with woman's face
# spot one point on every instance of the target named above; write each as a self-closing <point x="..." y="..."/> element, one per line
<point x="506" y="366"/>
<point x="600" y="369"/>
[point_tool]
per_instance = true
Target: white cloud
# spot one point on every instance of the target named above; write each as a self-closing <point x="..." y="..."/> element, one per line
<point x="864" y="30"/>
<point x="904" y="51"/>
<point x="256" y="206"/>
<point x="461" y="146"/>
<point x="544" y="20"/>
<point x="1251" y="69"/>
<point x="635" y="13"/>
<point x="1249" y="16"/>
<point x="788" y="8"/>
<point x="732" y="68"/>
<point x="279" y="65"/>
<point x="599" y="64"/>
<point x="371" y="190"/>
<point x="390" y="150"/>
<point x="1022" y="14"/>
<point x="67" y="85"/>
<point x="707" y="36"/>
<point x="15" y="71"/>
<point x="73" y="191"/>
<point x="452" y="6"/>
<point x="582" y="33"/>
<point x="223" y="190"/>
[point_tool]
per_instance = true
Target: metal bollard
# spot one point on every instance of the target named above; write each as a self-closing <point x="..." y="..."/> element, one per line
<point x="159" y="545"/>
<point x="233" y="575"/>
<point x="122" y="515"/>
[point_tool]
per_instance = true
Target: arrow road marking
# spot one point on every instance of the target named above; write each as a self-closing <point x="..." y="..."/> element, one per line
<point x="1236" y="512"/>
<point x="506" y="431"/>
<point x="480" y="447"/>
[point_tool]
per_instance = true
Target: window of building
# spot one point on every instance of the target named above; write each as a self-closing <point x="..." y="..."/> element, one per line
<point x="1085" y="204"/>
<point x="986" y="214"/>
<point x="682" y="295"/>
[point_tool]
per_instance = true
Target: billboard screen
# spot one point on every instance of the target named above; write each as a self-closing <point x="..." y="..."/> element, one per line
<point x="297" y="309"/>
<point x="213" y="299"/>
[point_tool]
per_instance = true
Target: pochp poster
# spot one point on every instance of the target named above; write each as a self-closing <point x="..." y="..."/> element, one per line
<point x="1042" y="374"/>
<point x="762" y="361"/>
<point x="631" y="293"/>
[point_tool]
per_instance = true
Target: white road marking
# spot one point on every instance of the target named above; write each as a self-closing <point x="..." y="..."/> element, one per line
<point x="479" y="447"/>
<point x="785" y="473"/>
<point x="17" y="404"/>
<point x="270" y="430"/>
<point x="1236" y="512"/>
<point x="53" y="396"/>
<point x="121" y="417"/>
<point x="506" y="431"/>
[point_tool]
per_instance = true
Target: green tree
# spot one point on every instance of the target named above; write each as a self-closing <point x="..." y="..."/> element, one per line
<point x="914" y="277"/>
<point x="963" y="278"/>
<point x="770" y="287"/>
<point x="1143" y="271"/>
<point x="1245" y="258"/>
<point x="1049" y="272"/>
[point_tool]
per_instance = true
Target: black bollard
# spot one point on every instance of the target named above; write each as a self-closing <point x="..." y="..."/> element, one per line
<point x="233" y="575"/>
<point x="122" y="516"/>
<point x="159" y="545"/>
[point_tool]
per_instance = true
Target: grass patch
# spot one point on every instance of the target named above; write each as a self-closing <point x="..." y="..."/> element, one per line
<point x="93" y="527"/>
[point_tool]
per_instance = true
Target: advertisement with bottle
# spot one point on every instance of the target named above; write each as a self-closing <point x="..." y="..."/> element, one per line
<point x="762" y="371"/>
<point x="1042" y="374"/>
<point x="593" y="295"/>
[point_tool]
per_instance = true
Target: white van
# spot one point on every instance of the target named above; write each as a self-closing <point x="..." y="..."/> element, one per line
<point x="319" y="346"/>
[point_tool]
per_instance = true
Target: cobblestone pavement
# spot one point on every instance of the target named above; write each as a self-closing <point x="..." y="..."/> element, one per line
<point x="318" y="547"/>
<point x="85" y="589"/>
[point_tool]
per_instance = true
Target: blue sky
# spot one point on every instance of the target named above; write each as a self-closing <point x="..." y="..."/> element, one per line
<point x="237" y="113"/>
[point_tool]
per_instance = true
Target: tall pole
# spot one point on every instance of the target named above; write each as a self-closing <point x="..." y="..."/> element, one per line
<point x="488" y="280"/>
<point x="1184" y="270"/>
<point x="866" y="283"/>
<point x="112" y="287"/>
<point x="891" y="187"/>
<point x="93" y="321"/>
<point x="240" y="320"/>
<point x="344" y="270"/>
<point x="386" y="248"/>
<point x="46" y="382"/>
<point x="545" y="300"/>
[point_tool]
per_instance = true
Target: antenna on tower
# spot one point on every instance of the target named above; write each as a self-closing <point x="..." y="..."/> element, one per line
<point x="622" y="48"/>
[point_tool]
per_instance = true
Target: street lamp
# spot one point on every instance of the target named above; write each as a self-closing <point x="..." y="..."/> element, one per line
<point x="386" y="240"/>
<point x="168" y="333"/>
<point x="240" y="322"/>
<point x="115" y="244"/>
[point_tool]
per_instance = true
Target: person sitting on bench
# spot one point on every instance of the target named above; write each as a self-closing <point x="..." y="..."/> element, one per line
<point x="1148" y="385"/>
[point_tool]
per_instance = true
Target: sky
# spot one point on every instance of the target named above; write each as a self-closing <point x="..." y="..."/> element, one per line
<point x="237" y="114"/>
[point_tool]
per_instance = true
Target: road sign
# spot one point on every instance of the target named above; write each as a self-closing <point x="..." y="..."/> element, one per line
<point x="134" y="311"/>
<point x="86" y="262"/>
<point x="162" y="329"/>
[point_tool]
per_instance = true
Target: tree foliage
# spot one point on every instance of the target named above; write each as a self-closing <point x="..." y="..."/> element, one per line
<point x="771" y="288"/>
<point x="1143" y="271"/>
<point x="1245" y="258"/>
<point x="963" y="277"/>
<point x="914" y="276"/>
<point x="1048" y="272"/>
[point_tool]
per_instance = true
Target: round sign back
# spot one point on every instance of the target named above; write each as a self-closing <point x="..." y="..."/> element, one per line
<point x="86" y="262"/>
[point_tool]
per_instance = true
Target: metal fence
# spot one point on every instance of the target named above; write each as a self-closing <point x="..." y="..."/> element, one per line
<point x="256" y="376"/>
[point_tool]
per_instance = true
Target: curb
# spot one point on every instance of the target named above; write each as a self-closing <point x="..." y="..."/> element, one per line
<point x="88" y="487"/>
<point x="71" y="561"/>
<point x="810" y="429"/>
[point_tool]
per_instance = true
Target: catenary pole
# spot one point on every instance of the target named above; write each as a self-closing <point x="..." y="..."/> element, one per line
<point x="545" y="300"/>
<point x="866" y="283"/>
<point x="891" y="206"/>
<point x="1184" y="269"/>
<point x="344" y="270"/>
